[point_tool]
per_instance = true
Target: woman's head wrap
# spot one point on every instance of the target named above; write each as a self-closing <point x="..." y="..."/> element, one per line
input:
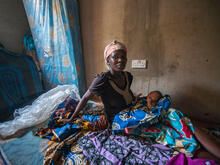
<point x="114" y="45"/>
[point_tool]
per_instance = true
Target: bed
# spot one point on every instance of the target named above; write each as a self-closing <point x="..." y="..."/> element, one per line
<point x="24" y="108"/>
<point x="31" y="131"/>
<point x="20" y="84"/>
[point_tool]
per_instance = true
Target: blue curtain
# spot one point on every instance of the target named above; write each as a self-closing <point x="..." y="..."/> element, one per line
<point x="56" y="32"/>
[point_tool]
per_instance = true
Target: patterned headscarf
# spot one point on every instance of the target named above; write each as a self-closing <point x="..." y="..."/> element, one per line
<point x="114" y="45"/>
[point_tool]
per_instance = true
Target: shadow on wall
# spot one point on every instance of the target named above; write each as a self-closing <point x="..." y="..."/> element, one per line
<point x="92" y="36"/>
<point x="199" y="103"/>
<point x="144" y="41"/>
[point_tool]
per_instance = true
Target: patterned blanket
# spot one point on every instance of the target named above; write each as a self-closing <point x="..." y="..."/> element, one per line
<point x="106" y="148"/>
<point x="165" y="125"/>
<point x="176" y="132"/>
<point x="162" y="125"/>
<point x="63" y="147"/>
<point x="139" y="114"/>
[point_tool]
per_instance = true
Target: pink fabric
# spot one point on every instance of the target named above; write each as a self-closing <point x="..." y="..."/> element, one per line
<point x="181" y="159"/>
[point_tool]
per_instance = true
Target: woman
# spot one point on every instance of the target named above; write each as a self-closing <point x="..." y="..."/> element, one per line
<point x="112" y="86"/>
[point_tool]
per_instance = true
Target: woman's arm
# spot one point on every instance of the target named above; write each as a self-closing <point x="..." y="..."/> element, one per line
<point x="88" y="95"/>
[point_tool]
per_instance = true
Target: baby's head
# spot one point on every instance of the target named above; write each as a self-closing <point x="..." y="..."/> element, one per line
<point x="152" y="98"/>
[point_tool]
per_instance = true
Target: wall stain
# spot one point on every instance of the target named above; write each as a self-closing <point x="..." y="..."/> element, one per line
<point x="143" y="36"/>
<point x="173" y="67"/>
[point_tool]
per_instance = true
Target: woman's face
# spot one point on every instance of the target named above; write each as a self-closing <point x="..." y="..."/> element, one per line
<point x="117" y="60"/>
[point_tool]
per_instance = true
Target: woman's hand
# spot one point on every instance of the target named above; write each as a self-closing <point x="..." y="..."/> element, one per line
<point x="139" y="95"/>
<point x="79" y="107"/>
<point x="65" y="121"/>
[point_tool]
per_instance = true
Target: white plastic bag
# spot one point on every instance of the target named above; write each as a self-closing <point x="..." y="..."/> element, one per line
<point x="39" y="111"/>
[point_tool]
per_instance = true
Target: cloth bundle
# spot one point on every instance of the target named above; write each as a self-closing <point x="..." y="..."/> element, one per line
<point x="139" y="114"/>
<point x="106" y="148"/>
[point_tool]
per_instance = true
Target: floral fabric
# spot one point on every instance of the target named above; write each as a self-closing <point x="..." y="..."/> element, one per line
<point x="139" y="114"/>
<point x="176" y="131"/>
<point x="106" y="148"/>
<point x="56" y="32"/>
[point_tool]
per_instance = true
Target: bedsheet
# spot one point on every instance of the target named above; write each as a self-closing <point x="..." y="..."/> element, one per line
<point x="3" y="158"/>
<point x="24" y="150"/>
<point x="66" y="143"/>
<point x="163" y="124"/>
